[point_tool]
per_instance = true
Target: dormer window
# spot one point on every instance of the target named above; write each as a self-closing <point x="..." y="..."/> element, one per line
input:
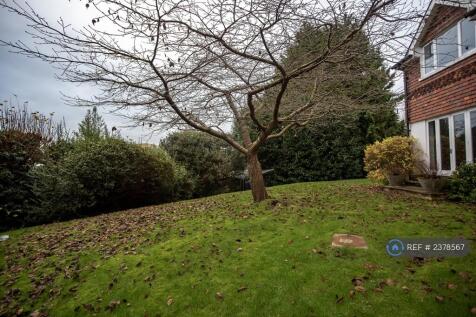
<point x="468" y="35"/>
<point x="428" y="65"/>
<point x="449" y="47"/>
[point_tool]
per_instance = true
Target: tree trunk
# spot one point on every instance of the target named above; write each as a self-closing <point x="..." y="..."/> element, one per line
<point x="256" y="178"/>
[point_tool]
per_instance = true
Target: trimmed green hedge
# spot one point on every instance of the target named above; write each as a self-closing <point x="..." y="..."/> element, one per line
<point x="326" y="150"/>
<point x="103" y="175"/>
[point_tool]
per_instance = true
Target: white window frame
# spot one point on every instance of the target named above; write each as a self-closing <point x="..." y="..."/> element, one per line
<point x="468" y="139"/>
<point x="422" y="60"/>
<point x="460" y="57"/>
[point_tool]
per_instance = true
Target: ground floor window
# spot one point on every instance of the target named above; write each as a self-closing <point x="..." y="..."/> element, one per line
<point x="473" y="132"/>
<point x="445" y="150"/>
<point x="452" y="140"/>
<point x="460" y="144"/>
<point x="432" y="141"/>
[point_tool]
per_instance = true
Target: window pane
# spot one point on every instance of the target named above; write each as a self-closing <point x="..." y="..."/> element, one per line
<point x="473" y="133"/>
<point x="428" y="50"/>
<point x="432" y="139"/>
<point x="468" y="36"/>
<point x="447" y="46"/>
<point x="445" y="144"/>
<point x="460" y="144"/>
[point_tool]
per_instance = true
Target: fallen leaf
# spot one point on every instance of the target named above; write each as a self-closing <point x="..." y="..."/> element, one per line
<point x="371" y="266"/>
<point x="36" y="313"/>
<point x="473" y="310"/>
<point x="451" y="286"/>
<point x="88" y="307"/>
<point x="356" y="281"/>
<point x="378" y="290"/>
<point x="219" y="296"/>
<point x="339" y="299"/>
<point x="464" y="275"/>
<point x="439" y="298"/>
<point x="351" y="293"/>
<point x="405" y="289"/>
<point x="243" y="288"/>
<point x="359" y="288"/>
<point x="389" y="282"/>
<point x="113" y="304"/>
<point x="170" y="301"/>
<point x="418" y="260"/>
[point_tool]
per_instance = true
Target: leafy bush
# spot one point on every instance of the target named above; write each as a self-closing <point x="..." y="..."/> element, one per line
<point x="207" y="160"/>
<point x="316" y="152"/>
<point x="103" y="175"/>
<point x="55" y="151"/>
<point x="23" y="137"/>
<point x="462" y="185"/>
<point x="392" y="156"/>
<point x="19" y="151"/>
<point x="184" y="183"/>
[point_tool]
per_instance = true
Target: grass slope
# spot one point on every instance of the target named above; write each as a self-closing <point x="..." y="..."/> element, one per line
<point x="225" y="256"/>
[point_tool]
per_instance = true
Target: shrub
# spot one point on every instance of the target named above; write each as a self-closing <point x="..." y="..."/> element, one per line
<point x="184" y="183"/>
<point x="19" y="151"/>
<point x="207" y="160"/>
<point x="103" y="175"/>
<point x="24" y="136"/>
<point x="462" y="184"/>
<point x="58" y="149"/>
<point x="316" y="152"/>
<point x="392" y="156"/>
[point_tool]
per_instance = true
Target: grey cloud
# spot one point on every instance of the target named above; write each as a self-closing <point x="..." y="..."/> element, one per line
<point x="34" y="81"/>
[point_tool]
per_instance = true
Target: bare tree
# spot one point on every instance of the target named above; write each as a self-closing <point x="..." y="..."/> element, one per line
<point x="208" y="63"/>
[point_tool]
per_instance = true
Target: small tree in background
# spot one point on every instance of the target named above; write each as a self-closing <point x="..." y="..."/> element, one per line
<point x="92" y="126"/>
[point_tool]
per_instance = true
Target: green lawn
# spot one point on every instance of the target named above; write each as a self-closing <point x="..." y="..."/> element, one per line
<point x="225" y="256"/>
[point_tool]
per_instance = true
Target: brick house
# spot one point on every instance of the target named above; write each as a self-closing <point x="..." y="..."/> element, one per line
<point x="440" y="84"/>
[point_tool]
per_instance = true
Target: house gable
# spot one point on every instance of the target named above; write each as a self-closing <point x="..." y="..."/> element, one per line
<point x="439" y="15"/>
<point x="442" y="17"/>
<point x="446" y="89"/>
<point x="440" y="85"/>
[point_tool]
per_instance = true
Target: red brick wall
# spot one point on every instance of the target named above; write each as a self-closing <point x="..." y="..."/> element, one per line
<point x="450" y="90"/>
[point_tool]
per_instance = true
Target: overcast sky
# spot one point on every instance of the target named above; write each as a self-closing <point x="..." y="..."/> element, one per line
<point x="26" y="79"/>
